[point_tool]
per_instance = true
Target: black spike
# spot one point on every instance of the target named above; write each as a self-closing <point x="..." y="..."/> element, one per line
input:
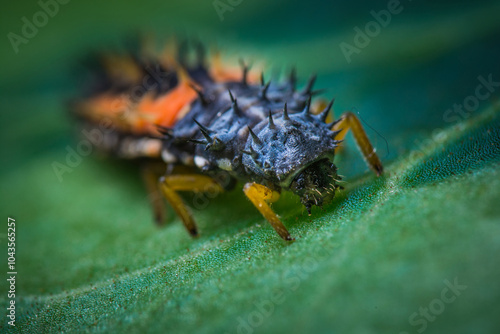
<point x="307" y="107"/>
<point x="218" y="141"/>
<point x="254" y="137"/>
<point x="251" y="153"/>
<point x="293" y="79"/>
<point x="216" y="145"/>
<point x="262" y="79"/>
<point x="202" y="98"/>
<point x="263" y="91"/>
<point x="255" y="155"/>
<point x="245" y="72"/>
<point x="335" y="133"/>
<point x="285" y="113"/>
<point x="318" y="91"/>
<point x="271" y="122"/>
<point x="235" y="107"/>
<point x="234" y="102"/>
<point x="168" y="132"/>
<point x="309" y="85"/>
<point x="197" y="141"/>
<point x="324" y="114"/>
<point x="330" y="125"/>
<point x="206" y="132"/>
<point x="231" y="96"/>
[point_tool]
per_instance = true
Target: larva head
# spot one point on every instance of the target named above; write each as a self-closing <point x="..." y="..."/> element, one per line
<point x="294" y="152"/>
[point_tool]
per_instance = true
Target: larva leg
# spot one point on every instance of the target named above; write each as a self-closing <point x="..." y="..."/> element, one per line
<point x="169" y="186"/>
<point x="349" y="121"/>
<point x="261" y="197"/>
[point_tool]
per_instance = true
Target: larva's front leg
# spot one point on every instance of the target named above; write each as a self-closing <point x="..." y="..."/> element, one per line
<point x="261" y="196"/>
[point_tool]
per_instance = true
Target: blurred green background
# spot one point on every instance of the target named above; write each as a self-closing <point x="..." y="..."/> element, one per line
<point x="377" y="259"/>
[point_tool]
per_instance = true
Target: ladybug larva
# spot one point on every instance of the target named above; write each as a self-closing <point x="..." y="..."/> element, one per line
<point x="209" y="126"/>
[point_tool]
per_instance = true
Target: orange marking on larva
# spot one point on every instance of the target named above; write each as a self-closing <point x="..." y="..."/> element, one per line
<point x="107" y="107"/>
<point x="143" y="116"/>
<point x="164" y="109"/>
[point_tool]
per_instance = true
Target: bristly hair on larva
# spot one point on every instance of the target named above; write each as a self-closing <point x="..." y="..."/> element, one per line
<point x="219" y="122"/>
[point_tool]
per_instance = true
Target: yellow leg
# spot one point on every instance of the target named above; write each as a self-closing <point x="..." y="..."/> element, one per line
<point x="188" y="182"/>
<point x="349" y="121"/>
<point x="193" y="182"/>
<point x="261" y="197"/>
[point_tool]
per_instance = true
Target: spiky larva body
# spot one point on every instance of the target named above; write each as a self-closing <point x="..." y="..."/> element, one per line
<point x="264" y="134"/>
